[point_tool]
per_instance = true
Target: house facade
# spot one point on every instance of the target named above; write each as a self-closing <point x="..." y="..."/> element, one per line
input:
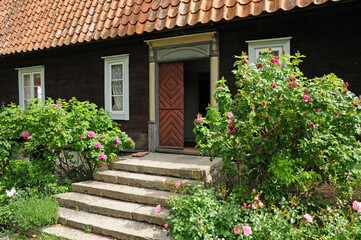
<point x="153" y="64"/>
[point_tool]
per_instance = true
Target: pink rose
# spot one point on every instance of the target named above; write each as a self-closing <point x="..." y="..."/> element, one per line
<point x="312" y="125"/>
<point x="253" y="190"/>
<point x="158" y="208"/>
<point x="231" y="128"/>
<point x="256" y="198"/>
<point x="91" y="134"/>
<point x="259" y="65"/>
<point x="308" y="217"/>
<point x="31" y="138"/>
<point x="25" y="134"/>
<point x="81" y="137"/>
<point x="230" y="115"/>
<point x="116" y="140"/>
<point x="102" y="156"/>
<point x="318" y="110"/>
<point x="254" y="206"/>
<point x="166" y="225"/>
<point x="101" y="164"/>
<point x="22" y="155"/>
<point x="247" y="230"/>
<point x="306" y="98"/>
<point x="260" y="204"/>
<point x="236" y="230"/>
<point x="280" y="64"/>
<point x="221" y="88"/>
<point x="357" y="206"/>
<point x="177" y="185"/>
<point x="102" y="136"/>
<point x="346" y="84"/>
<point x="274" y="60"/>
<point x="200" y="222"/>
<point x="97" y="145"/>
<point x="245" y="60"/>
<point x="199" y="118"/>
<point x="245" y="204"/>
<point x="58" y="105"/>
<point x="116" y="145"/>
<point x="273" y="85"/>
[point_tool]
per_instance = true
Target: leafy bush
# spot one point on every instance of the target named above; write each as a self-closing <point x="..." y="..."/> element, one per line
<point x="76" y="136"/>
<point x="209" y="214"/>
<point x="282" y="131"/>
<point x="35" y="210"/>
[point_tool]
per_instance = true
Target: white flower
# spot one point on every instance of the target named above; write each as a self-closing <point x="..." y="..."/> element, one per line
<point x="11" y="192"/>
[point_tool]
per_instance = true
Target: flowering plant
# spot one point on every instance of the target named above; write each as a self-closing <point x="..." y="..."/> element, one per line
<point x="211" y="214"/>
<point x="76" y="136"/>
<point x="284" y="131"/>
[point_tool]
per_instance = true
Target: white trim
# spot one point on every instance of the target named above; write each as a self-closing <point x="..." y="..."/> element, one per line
<point x="108" y="62"/>
<point x="255" y="46"/>
<point x="30" y="70"/>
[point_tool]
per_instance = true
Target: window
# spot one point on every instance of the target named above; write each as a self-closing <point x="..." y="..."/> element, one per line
<point x="31" y="84"/>
<point x="116" y="85"/>
<point x="255" y="47"/>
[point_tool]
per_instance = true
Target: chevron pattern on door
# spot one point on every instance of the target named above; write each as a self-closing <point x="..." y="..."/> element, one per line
<point x="171" y="105"/>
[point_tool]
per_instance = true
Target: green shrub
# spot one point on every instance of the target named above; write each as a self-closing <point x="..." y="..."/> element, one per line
<point x="35" y="210"/>
<point x="209" y="214"/>
<point x="23" y="174"/>
<point x="282" y="131"/>
<point x="76" y="136"/>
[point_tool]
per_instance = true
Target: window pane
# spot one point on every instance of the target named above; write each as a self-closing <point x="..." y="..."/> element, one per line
<point x="27" y="93"/>
<point x="117" y="88"/>
<point x="117" y="104"/>
<point x="26" y="80"/>
<point x="117" y="71"/>
<point x="275" y="53"/>
<point x="37" y="92"/>
<point x="37" y="79"/>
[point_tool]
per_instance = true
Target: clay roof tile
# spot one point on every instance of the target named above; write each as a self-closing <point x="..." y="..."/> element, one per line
<point x="31" y="25"/>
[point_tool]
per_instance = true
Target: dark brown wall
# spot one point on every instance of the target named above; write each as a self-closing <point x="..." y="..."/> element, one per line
<point x="329" y="36"/>
<point x="79" y="71"/>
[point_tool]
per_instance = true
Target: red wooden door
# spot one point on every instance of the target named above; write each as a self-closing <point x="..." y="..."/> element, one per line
<point x="171" y="105"/>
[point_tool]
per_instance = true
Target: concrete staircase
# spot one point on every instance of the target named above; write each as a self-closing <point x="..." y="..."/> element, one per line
<point x="120" y="202"/>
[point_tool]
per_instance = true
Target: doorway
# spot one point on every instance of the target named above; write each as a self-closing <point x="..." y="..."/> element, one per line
<point x="184" y="91"/>
<point x="196" y="95"/>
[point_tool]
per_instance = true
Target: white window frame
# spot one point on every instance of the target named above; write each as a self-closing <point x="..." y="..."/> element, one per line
<point x="30" y="70"/>
<point x="255" y="47"/>
<point x="108" y="62"/>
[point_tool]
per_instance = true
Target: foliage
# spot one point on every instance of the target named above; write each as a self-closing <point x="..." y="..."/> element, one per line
<point x="28" y="208"/>
<point x="35" y="211"/>
<point x="209" y="214"/>
<point x="282" y="131"/>
<point x="76" y="136"/>
<point x="24" y="174"/>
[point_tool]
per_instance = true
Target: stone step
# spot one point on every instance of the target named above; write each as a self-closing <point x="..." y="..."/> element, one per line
<point x="123" y="192"/>
<point x="141" y="180"/>
<point x="111" y="207"/>
<point x="62" y="231"/>
<point x="109" y="226"/>
<point x="183" y="166"/>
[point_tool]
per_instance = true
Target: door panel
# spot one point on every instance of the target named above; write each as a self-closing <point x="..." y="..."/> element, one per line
<point x="171" y="105"/>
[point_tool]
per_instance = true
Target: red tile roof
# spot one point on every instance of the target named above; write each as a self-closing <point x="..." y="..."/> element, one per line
<point x="29" y="25"/>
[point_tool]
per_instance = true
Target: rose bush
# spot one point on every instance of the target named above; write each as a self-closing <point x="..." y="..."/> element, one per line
<point x="213" y="214"/>
<point x="282" y="131"/>
<point x="76" y="137"/>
